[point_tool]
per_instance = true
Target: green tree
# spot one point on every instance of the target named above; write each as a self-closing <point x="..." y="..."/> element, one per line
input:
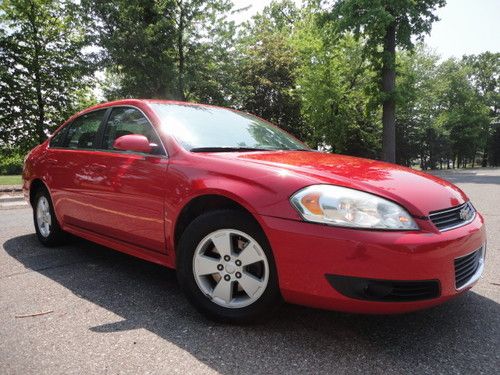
<point x="484" y="72"/>
<point x="461" y="112"/>
<point x="336" y="84"/>
<point x="266" y="64"/>
<point x="386" y="24"/>
<point x="44" y="73"/>
<point x="210" y="73"/>
<point x="159" y="49"/>
<point x="417" y="135"/>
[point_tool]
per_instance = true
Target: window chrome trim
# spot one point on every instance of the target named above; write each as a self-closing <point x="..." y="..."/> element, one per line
<point x="68" y="124"/>
<point x="122" y="152"/>
<point x="165" y="155"/>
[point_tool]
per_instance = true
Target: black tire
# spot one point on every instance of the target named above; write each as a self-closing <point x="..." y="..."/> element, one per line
<point x="56" y="235"/>
<point x="197" y="230"/>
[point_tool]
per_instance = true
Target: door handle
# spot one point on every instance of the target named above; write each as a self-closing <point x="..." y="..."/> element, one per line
<point x="98" y="167"/>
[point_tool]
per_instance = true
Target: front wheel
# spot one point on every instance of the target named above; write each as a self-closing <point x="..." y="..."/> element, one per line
<point x="226" y="268"/>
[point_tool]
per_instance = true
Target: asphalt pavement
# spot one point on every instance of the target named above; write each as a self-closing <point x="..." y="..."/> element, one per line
<point x="82" y="308"/>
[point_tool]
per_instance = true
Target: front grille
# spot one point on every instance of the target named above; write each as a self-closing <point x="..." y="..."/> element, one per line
<point x="453" y="217"/>
<point x="466" y="267"/>
<point x="384" y="290"/>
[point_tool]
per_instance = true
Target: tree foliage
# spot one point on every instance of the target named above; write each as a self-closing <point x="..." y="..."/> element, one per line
<point x="386" y="25"/>
<point x="266" y="68"/>
<point x="417" y="135"/>
<point x="331" y="74"/>
<point x="161" y="49"/>
<point x="335" y="83"/>
<point x="462" y="112"/>
<point x="44" y="74"/>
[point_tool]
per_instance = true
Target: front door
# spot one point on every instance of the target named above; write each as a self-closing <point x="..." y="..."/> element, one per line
<point x="126" y="190"/>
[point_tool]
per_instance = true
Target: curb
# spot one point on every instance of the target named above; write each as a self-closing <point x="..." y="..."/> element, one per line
<point x="13" y="205"/>
<point x="10" y="188"/>
<point x="12" y="199"/>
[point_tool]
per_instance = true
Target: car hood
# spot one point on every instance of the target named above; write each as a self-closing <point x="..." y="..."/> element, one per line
<point x="420" y="193"/>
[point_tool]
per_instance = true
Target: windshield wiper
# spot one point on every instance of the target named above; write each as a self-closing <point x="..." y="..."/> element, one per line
<point x="229" y="149"/>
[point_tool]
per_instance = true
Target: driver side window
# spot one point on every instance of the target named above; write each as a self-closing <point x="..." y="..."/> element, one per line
<point x="125" y="120"/>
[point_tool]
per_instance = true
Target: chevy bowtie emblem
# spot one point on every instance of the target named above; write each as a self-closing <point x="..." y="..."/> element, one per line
<point x="464" y="213"/>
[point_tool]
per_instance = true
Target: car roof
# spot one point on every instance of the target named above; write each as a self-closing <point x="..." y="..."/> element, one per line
<point x="139" y="101"/>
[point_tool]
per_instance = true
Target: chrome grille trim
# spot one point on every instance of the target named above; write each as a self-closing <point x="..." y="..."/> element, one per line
<point x="449" y="218"/>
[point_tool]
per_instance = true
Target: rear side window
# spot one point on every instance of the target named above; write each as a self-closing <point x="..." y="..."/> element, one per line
<point x="126" y="120"/>
<point x="82" y="132"/>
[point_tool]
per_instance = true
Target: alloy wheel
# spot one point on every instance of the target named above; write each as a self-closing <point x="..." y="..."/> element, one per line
<point x="43" y="216"/>
<point x="230" y="268"/>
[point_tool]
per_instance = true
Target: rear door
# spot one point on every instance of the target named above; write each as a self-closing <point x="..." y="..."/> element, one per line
<point x="69" y="157"/>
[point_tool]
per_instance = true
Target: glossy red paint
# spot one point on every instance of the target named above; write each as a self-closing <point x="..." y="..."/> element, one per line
<point x="132" y="142"/>
<point x="131" y="202"/>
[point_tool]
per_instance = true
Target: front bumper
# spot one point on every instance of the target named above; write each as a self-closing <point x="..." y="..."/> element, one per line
<point x="306" y="254"/>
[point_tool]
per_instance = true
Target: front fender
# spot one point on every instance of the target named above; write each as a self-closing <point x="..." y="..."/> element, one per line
<point x="262" y="192"/>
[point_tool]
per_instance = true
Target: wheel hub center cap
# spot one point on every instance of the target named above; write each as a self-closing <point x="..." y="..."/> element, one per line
<point x="230" y="267"/>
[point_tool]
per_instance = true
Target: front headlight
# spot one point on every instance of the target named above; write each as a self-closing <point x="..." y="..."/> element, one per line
<point x="336" y="205"/>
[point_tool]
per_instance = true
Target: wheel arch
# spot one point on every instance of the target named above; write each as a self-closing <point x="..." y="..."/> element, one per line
<point x="35" y="186"/>
<point x="206" y="203"/>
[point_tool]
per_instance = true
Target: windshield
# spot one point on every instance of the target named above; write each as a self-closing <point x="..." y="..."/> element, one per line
<point x="200" y="128"/>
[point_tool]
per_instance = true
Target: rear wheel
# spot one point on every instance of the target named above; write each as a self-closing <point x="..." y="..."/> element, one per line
<point x="226" y="268"/>
<point x="47" y="228"/>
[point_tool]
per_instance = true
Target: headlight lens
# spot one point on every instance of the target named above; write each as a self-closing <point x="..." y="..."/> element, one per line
<point x="336" y="205"/>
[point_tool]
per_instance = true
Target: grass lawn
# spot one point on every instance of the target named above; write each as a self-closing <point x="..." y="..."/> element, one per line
<point x="10" y="180"/>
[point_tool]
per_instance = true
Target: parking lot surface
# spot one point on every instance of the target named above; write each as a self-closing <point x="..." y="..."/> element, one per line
<point x="82" y="308"/>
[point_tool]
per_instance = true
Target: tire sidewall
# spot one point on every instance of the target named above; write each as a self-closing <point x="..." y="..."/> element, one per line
<point x="193" y="235"/>
<point x="55" y="235"/>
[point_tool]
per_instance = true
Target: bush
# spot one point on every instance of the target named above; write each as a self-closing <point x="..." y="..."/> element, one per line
<point x="12" y="164"/>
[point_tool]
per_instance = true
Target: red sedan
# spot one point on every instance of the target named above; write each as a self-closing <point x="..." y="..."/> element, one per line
<point x="250" y="216"/>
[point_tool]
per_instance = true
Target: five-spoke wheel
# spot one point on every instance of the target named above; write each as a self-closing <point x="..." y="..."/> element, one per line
<point x="43" y="217"/>
<point x="231" y="268"/>
<point x="226" y="268"/>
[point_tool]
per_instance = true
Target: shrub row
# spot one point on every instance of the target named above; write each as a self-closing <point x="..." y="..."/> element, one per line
<point x="12" y="164"/>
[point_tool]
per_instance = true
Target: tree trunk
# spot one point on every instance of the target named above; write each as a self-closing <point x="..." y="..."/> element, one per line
<point x="389" y="103"/>
<point x="180" y="49"/>
<point x="484" y="161"/>
<point x="40" y="121"/>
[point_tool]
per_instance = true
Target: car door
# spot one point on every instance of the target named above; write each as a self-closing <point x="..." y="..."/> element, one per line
<point x="67" y="159"/>
<point x="127" y="189"/>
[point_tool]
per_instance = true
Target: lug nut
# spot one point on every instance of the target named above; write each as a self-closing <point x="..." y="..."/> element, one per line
<point x="227" y="258"/>
<point x="238" y="275"/>
<point x="238" y="263"/>
<point x="220" y="267"/>
<point x="227" y="277"/>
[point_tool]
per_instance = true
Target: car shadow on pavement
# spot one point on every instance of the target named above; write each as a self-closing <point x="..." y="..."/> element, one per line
<point x="461" y="336"/>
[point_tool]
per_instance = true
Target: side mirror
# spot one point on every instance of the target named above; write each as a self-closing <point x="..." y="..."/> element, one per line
<point x="132" y="142"/>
